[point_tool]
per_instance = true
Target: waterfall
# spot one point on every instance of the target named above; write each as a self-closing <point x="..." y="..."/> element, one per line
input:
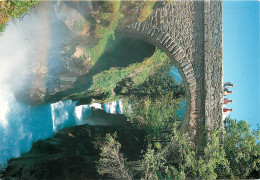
<point x="21" y="125"/>
<point x="62" y="114"/>
<point x="24" y="48"/>
<point x="81" y="112"/>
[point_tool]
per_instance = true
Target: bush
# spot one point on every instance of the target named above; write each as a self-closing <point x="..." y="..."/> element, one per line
<point x="241" y="149"/>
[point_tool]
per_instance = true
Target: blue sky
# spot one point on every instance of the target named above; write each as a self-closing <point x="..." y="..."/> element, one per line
<point x="241" y="58"/>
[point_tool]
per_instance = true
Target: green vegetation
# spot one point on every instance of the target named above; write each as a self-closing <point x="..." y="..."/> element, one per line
<point x="106" y="81"/>
<point x="179" y="159"/>
<point x="154" y="103"/>
<point x="241" y="148"/>
<point x="14" y="9"/>
<point x="153" y="114"/>
<point x="112" y="161"/>
<point x="106" y="21"/>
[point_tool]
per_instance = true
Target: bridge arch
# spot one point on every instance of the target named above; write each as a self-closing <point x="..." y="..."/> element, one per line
<point x="167" y="44"/>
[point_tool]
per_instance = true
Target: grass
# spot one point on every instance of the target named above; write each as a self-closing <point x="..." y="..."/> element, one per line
<point x="107" y="80"/>
<point x="97" y="50"/>
<point x="14" y="9"/>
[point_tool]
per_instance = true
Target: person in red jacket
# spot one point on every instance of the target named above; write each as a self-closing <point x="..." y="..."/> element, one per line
<point x="227" y="101"/>
<point x="226" y="111"/>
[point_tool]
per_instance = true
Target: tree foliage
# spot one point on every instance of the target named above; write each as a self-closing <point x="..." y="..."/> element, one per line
<point x="112" y="162"/>
<point x="241" y="148"/>
<point x="154" y="102"/>
<point x="229" y="155"/>
<point x="152" y="163"/>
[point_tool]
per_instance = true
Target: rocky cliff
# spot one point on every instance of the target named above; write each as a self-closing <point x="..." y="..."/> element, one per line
<point x="72" y="153"/>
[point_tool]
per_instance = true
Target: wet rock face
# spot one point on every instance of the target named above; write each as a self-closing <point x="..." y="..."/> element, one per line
<point x="72" y="19"/>
<point x="71" y="153"/>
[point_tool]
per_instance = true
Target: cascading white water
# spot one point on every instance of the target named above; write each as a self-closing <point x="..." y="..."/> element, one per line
<point x="21" y="125"/>
<point x="62" y="114"/>
<point x="114" y="107"/>
<point x="81" y="112"/>
<point x="18" y="122"/>
<point x="24" y="47"/>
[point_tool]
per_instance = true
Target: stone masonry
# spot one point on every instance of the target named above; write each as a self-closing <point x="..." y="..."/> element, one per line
<point x="190" y="33"/>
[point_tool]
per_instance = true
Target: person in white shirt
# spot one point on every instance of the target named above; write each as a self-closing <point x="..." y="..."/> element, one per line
<point x="227" y="85"/>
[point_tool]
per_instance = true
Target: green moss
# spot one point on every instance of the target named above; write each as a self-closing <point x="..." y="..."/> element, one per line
<point x="149" y="65"/>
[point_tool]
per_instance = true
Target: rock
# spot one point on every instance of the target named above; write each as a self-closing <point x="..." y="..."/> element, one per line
<point x="72" y="18"/>
<point x="79" y="52"/>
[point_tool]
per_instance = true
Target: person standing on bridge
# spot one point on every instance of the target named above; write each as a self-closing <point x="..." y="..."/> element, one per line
<point x="227" y="85"/>
<point x="226" y="92"/>
<point x="226" y="111"/>
<point x="227" y="101"/>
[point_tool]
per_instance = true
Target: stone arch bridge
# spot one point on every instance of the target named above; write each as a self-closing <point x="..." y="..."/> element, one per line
<point x="190" y="32"/>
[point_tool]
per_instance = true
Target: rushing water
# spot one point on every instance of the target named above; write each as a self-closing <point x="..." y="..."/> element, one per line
<point x="23" y="124"/>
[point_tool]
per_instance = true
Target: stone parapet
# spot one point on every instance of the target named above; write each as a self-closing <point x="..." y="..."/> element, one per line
<point x="213" y="63"/>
